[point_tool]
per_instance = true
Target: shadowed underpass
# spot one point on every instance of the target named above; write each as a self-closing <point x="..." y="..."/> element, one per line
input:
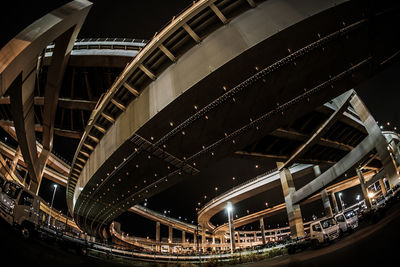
<point x="374" y="245"/>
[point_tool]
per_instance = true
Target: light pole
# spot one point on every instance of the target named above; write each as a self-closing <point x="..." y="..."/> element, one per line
<point x="229" y="209"/>
<point x="51" y="207"/>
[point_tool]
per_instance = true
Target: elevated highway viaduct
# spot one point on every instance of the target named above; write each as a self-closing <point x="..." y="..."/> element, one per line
<point x="165" y="117"/>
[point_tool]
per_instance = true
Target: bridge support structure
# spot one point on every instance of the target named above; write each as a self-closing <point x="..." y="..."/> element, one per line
<point x="324" y="194"/>
<point x="293" y="210"/>
<point x="262" y="228"/>
<point x="203" y="237"/>
<point x="381" y="145"/>
<point x="334" y="201"/>
<point x="383" y="186"/>
<point x="183" y="237"/>
<point x="158" y="247"/>
<point x="19" y="76"/>
<point x="170" y="238"/>
<point x="364" y="188"/>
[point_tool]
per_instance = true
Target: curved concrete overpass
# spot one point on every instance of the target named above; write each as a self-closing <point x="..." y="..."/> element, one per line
<point x="246" y="190"/>
<point x="343" y="185"/>
<point x="167" y="94"/>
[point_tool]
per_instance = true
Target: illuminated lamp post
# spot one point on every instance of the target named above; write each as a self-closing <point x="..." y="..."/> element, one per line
<point x="51" y="206"/>
<point x="229" y="209"/>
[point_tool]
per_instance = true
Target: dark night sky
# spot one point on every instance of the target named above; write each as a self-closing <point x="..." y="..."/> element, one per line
<point x="141" y="19"/>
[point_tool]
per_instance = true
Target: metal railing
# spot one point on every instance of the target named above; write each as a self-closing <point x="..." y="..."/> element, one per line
<point x="105" y="43"/>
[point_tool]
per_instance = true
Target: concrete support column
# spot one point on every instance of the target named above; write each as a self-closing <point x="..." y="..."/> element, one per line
<point x="327" y="203"/>
<point x="381" y="145"/>
<point x="158" y="248"/>
<point x="170" y="238"/>
<point x="21" y="102"/>
<point x="383" y="187"/>
<point x="293" y="210"/>
<point x="183" y="237"/>
<point x="203" y="236"/>
<point x="255" y="237"/>
<point x="363" y="188"/>
<point x="213" y="242"/>
<point x="262" y="230"/>
<point x="324" y="194"/>
<point x="335" y="205"/>
<point x="195" y="241"/>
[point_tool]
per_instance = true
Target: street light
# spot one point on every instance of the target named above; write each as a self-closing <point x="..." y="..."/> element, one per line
<point x="52" y="200"/>
<point x="229" y="209"/>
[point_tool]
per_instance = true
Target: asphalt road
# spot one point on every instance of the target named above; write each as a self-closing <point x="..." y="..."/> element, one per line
<point x="376" y="244"/>
<point x="15" y="251"/>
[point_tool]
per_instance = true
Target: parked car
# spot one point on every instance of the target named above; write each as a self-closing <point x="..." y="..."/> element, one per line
<point x="347" y="221"/>
<point x="323" y="231"/>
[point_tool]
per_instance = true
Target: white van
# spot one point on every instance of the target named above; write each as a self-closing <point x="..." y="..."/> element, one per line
<point x="347" y="221"/>
<point x="324" y="230"/>
<point x="19" y="207"/>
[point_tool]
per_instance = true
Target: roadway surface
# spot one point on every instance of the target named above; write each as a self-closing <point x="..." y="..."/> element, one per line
<point x="36" y="252"/>
<point x="373" y="245"/>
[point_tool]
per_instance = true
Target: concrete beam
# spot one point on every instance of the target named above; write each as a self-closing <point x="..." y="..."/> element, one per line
<point x="293" y="135"/>
<point x="39" y="128"/>
<point x="343" y="100"/>
<point x="167" y="52"/>
<point x="346" y="163"/>
<point x="381" y="145"/>
<point x="67" y="103"/>
<point x="118" y="105"/>
<point x="280" y="158"/>
<point x="375" y="178"/>
<point x="131" y="89"/>
<point x="251" y="3"/>
<point x="21" y="95"/>
<point x="219" y="14"/>
<point x="191" y="33"/>
<point x="59" y="60"/>
<point x="54" y="162"/>
<point x="148" y="72"/>
<point x="108" y="117"/>
<point x="15" y="160"/>
<point x="18" y="77"/>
